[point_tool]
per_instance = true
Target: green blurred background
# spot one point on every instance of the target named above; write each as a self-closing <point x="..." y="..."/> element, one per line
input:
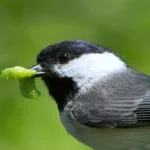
<point x="27" y="26"/>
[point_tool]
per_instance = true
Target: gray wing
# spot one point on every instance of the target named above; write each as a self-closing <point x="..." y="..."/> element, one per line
<point x="122" y="101"/>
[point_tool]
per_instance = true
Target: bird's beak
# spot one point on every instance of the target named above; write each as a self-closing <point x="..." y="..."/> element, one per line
<point x="40" y="71"/>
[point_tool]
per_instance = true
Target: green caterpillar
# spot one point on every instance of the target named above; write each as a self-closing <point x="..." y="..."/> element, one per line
<point x="28" y="89"/>
<point x="26" y="82"/>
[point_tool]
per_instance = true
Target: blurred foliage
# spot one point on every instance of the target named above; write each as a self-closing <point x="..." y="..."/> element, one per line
<point x="27" y="26"/>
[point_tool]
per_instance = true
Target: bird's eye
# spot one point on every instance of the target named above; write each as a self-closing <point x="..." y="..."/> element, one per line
<point x="64" y="57"/>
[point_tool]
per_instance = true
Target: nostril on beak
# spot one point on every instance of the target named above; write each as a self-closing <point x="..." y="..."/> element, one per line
<point x="37" y="68"/>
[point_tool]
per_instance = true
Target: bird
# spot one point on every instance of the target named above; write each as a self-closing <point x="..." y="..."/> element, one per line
<point x="102" y="102"/>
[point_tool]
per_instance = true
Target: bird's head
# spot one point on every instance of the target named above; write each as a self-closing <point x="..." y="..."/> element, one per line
<point x="70" y="66"/>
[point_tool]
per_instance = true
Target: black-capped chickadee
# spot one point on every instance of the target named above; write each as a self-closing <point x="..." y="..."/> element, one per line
<point x="103" y="103"/>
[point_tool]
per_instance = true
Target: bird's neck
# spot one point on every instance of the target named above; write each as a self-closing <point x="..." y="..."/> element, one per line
<point x="61" y="89"/>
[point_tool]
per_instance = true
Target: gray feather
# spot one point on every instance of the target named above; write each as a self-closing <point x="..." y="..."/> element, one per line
<point x="120" y="101"/>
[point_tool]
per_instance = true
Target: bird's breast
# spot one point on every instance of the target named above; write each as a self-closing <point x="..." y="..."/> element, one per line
<point x="107" y="138"/>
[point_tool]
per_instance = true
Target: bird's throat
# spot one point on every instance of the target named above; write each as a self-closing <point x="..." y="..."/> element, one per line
<point x="61" y="89"/>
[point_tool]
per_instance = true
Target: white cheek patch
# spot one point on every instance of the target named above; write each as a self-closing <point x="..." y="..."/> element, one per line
<point x="90" y="68"/>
